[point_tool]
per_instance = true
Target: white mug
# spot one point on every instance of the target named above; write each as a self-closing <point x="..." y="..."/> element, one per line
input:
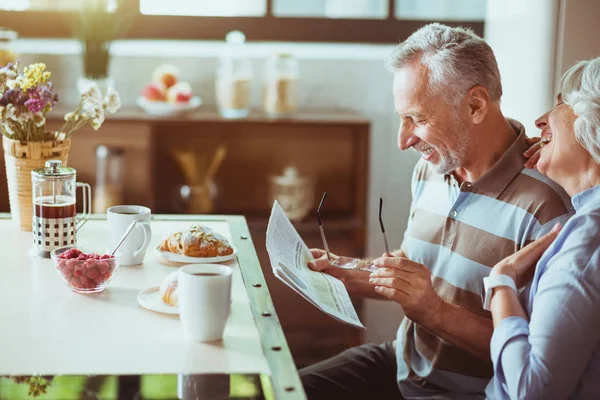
<point x="204" y="300"/>
<point x="134" y="247"/>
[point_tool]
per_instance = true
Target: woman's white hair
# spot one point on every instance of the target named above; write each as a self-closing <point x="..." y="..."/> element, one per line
<point x="580" y="88"/>
<point x="457" y="60"/>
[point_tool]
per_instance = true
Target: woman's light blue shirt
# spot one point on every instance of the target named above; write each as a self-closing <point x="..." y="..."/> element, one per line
<point x="556" y="354"/>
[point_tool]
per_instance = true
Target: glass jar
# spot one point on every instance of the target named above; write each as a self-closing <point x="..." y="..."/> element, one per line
<point x="7" y="53"/>
<point x="294" y="193"/>
<point x="280" y="85"/>
<point x="55" y="221"/>
<point x="234" y="78"/>
<point x="109" y="178"/>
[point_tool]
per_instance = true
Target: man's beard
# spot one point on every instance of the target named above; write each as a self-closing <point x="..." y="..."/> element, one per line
<point x="451" y="160"/>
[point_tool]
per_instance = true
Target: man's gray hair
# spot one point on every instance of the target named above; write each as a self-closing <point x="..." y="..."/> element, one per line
<point x="456" y="58"/>
<point x="580" y="88"/>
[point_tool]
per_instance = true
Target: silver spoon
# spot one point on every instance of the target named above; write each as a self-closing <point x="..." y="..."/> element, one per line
<point x="127" y="232"/>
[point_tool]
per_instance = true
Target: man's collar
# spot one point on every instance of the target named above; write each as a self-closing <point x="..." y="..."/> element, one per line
<point x="494" y="181"/>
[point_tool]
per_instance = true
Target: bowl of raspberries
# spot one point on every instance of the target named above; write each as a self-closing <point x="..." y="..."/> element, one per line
<point x="84" y="272"/>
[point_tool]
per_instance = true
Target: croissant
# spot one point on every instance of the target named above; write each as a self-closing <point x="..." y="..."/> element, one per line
<point x="168" y="289"/>
<point x="197" y="241"/>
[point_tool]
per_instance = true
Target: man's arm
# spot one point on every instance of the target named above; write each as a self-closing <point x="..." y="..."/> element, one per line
<point x="464" y="329"/>
<point x="409" y="284"/>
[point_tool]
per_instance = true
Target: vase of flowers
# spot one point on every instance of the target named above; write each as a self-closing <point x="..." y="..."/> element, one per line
<point x="25" y="98"/>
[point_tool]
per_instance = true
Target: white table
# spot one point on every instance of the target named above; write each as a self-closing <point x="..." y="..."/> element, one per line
<point x="47" y="329"/>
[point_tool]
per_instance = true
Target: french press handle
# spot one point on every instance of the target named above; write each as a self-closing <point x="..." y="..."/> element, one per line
<point x="87" y="205"/>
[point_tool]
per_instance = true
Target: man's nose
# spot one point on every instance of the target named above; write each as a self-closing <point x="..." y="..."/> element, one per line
<point x="406" y="138"/>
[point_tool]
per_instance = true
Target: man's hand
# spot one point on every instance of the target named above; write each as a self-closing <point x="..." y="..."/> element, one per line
<point x="320" y="263"/>
<point x="533" y="153"/>
<point x="409" y="284"/>
<point x="520" y="266"/>
<point x="356" y="282"/>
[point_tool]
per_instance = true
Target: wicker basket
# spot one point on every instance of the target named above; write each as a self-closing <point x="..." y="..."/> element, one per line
<point x="21" y="158"/>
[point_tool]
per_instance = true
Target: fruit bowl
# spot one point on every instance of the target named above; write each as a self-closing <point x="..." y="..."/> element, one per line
<point x="167" y="109"/>
<point x="84" y="272"/>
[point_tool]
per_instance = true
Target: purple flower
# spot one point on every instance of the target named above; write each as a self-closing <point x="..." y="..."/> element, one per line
<point x="41" y="98"/>
<point x="13" y="96"/>
<point x="35" y="105"/>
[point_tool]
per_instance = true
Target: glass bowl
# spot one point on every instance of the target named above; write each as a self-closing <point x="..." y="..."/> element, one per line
<point x="81" y="273"/>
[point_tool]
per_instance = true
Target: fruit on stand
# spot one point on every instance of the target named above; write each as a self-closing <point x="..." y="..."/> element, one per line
<point x="179" y="93"/>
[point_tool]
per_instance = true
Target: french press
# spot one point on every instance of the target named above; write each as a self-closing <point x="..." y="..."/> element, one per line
<point x="55" y="221"/>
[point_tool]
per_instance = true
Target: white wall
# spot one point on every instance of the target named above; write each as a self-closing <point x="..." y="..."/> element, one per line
<point x="523" y="35"/>
<point x="332" y="76"/>
<point x="579" y="33"/>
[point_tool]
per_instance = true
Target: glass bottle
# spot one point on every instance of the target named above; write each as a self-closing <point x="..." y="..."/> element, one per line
<point x="109" y="178"/>
<point x="280" y="85"/>
<point x="234" y="78"/>
<point x="7" y="53"/>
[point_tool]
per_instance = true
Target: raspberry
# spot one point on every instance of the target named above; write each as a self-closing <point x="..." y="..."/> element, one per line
<point x="75" y="282"/>
<point x="106" y="256"/>
<point x="102" y="266"/>
<point x="82" y="257"/>
<point x="93" y="273"/>
<point x="84" y="280"/>
<point x="111" y="266"/>
<point x="79" y="271"/>
<point x="106" y="276"/>
<point x="72" y="264"/>
<point x="71" y="253"/>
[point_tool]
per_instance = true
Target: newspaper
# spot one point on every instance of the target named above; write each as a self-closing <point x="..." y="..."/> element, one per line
<point x="289" y="257"/>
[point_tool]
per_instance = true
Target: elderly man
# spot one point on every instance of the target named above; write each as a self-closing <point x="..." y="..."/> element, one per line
<point x="473" y="204"/>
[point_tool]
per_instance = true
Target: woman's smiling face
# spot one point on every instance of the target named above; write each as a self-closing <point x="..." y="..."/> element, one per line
<point x="560" y="150"/>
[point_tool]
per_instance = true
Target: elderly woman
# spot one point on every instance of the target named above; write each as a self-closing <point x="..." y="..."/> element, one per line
<point x="549" y="346"/>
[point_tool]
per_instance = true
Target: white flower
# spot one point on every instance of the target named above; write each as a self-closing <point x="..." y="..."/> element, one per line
<point x="39" y="119"/>
<point x="69" y="116"/>
<point x="9" y="112"/>
<point x="112" y="101"/>
<point x="6" y="73"/>
<point x="92" y="93"/>
<point x="98" y="120"/>
<point x="88" y="109"/>
<point x="12" y="84"/>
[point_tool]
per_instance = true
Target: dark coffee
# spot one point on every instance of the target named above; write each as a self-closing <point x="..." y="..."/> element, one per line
<point x="127" y="212"/>
<point x="55" y="207"/>
<point x="205" y="274"/>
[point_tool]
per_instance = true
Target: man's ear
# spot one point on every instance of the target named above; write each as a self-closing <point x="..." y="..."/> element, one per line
<point x="479" y="102"/>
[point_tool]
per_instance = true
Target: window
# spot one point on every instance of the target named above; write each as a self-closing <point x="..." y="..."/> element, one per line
<point x="358" y="21"/>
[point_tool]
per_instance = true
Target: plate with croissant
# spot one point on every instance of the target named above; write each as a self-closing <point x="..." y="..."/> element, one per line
<point x="163" y="299"/>
<point x="198" y="243"/>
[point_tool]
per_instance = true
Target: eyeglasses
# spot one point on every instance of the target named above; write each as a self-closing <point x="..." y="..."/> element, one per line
<point x="385" y="241"/>
<point x="325" y="245"/>
<point x="324" y="239"/>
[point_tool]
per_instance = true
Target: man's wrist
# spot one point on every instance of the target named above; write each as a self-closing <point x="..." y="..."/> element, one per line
<point x="434" y="318"/>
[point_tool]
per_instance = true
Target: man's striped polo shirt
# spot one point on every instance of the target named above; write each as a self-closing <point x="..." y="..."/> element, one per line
<point x="460" y="232"/>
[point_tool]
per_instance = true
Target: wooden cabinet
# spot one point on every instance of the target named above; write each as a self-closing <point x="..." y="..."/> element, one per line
<point x="331" y="146"/>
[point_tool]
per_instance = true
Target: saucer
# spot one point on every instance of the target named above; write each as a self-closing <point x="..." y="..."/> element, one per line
<point x="150" y="299"/>
<point x="180" y="258"/>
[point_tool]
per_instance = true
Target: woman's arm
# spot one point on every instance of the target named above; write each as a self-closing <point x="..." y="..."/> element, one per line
<point x="545" y="358"/>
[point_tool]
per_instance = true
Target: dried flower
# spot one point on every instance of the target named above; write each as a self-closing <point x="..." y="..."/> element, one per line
<point x="26" y="97"/>
<point x="112" y="101"/>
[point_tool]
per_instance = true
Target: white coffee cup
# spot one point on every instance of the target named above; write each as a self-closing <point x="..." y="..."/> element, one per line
<point x="204" y="300"/>
<point x="134" y="247"/>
